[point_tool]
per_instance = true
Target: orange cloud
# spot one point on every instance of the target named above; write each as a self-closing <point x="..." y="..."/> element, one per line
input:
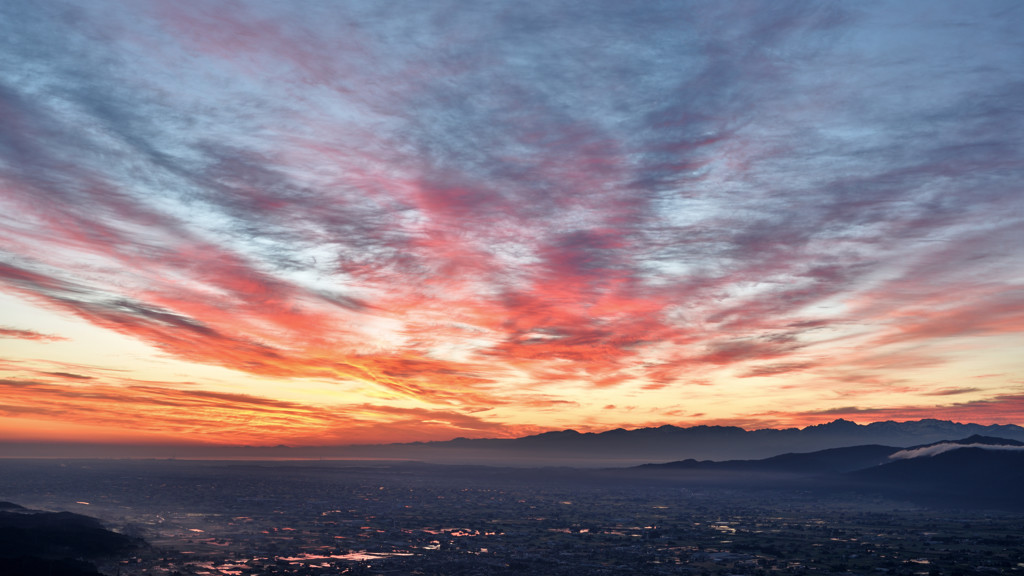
<point x="229" y="418"/>
<point x="463" y="217"/>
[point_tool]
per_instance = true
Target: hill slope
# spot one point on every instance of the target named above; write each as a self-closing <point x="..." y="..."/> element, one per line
<point x="54" y="543"/>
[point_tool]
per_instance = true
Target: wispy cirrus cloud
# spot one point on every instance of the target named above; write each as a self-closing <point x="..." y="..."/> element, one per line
<point x="229" y="418"/>
<point x="28" y="335"/>
<point x="463" y="206"/>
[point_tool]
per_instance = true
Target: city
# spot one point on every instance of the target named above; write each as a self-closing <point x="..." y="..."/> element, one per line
<point x="317" y="518"/>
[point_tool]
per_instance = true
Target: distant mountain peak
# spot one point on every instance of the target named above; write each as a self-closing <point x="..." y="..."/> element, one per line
<point x="979" y="439"/>
<point x="973" y="440"/>
<point x="841" y="423"/>
<point x="566" y="432"/>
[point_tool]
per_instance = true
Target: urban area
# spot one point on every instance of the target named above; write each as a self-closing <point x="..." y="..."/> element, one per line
<point x="327" y="518"/>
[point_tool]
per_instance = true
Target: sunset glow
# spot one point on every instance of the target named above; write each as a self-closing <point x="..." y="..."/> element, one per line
<point x="270" y="223"/>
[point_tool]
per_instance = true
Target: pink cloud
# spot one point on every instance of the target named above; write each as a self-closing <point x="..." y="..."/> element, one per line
<point x="450" y="203"/>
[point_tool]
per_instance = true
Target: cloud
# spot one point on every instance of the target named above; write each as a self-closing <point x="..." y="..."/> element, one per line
<point x="69" y="375"/>
<point x="732" y="351"/>
<point x="952" y="391"/>
<point x="456" y="202"/>
<point x="928" y="451"/>
<point x="28" y="335"/>
<point x="234" y="418"/>
<point x="774" y="369"/>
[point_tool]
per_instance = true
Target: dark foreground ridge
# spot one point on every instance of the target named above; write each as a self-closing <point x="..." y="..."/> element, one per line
<point x="37" y="543"/>
<point x="978" y="472"/>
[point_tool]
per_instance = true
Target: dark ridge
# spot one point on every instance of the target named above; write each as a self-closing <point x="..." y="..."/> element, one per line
<point x="831" y="461"/>
<point x="968" y="477"/>
<point x="965" y="477"/>
<point x="34" y="543"/>
<point x="975" y="439"/>
<point x="34" y="566"/>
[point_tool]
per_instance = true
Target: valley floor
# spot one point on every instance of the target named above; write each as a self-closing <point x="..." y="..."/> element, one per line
<point x="232" y="518"/>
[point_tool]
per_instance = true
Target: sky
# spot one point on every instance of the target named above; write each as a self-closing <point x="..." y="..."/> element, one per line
<point x="262" y="222"/>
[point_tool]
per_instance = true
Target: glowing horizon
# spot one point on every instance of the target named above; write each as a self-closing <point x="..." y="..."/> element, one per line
<point x="245" y="223"/>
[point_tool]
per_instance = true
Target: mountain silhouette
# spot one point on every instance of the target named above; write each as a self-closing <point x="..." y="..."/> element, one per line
<point x="970" y="476"/>
<point x="717" y="443"/>
<point x="973" y="472"/>
<point x="34" y="542"/>
<point x="830" y="461"/>
<point x="618" y="447"/>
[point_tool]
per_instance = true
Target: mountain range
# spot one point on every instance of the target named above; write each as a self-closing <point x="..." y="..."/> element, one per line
<point x="661" y="444"/>
<point x="619" y="447"/>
